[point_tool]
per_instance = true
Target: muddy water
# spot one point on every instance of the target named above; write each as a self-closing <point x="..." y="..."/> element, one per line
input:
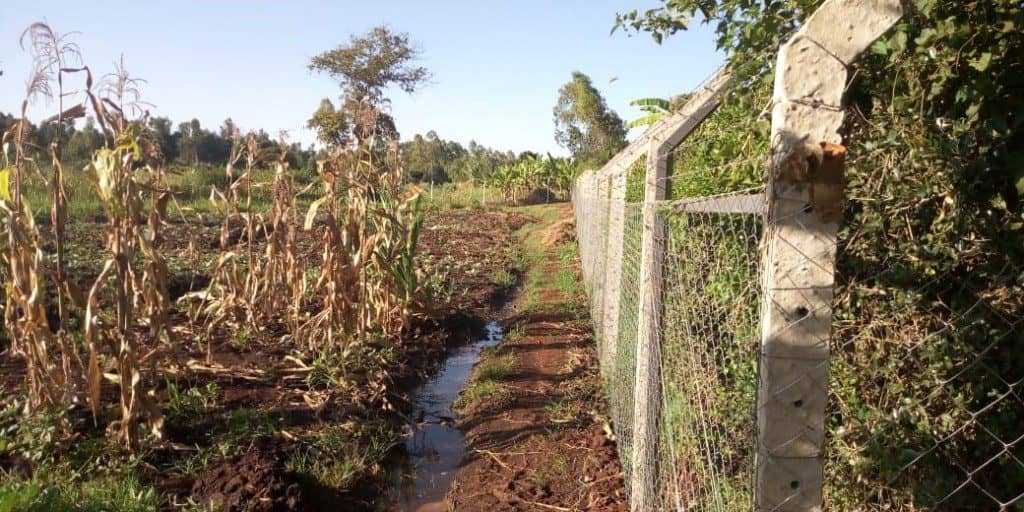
<point x="434" y="445"/>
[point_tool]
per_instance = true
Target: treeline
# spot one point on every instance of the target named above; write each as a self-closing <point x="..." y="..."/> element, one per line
<point x="188" y="143"/>
<point x="431" y="159"/>
<point x="425" y="158"/>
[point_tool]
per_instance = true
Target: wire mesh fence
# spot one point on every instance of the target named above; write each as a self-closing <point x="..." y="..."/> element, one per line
<point x="925" y="409"/>
<point x="708" y="251"/>
<point x="622" y="371"/>
<point x="708" y="354"/>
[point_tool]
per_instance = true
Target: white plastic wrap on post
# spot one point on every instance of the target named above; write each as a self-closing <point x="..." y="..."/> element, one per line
<point x="799" y="259"/>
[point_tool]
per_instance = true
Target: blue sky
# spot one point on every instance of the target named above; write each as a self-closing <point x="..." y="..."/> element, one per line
<point x="496" y="65"/>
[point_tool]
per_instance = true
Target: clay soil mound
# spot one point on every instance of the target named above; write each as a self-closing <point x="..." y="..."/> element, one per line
<point x="255" y="482"/>
<point x="539" y="196"/>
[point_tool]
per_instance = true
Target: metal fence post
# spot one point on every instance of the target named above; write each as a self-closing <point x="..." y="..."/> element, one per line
<point x="804" y="198"/>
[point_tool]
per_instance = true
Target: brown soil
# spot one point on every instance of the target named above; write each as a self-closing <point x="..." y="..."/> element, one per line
<point x="540" y="444"/>
<point x="253" y="482"/>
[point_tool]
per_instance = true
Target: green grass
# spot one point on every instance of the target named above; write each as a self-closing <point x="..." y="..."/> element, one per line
<point x="485" y="383"/>
<point x="245" y="421"/>
<point x="191" y="186"/>
<point x="458" y="196"/>
<point x="63" y="493"/>
<point x="475" y="393"/>
<point x="242" y="337"/>
<point x="530" y="258"/>
<point x="544" y="213"/>
<point x="514" y="334"/>
<point x="191" y="402"/>
<point x="503" y="278"/>
<point x="496" y="369"/>
<point x="566" y="281"/>
<point x="338" y="455"/>
<point x="519" y="259"/>
<point x="89" y="476"/>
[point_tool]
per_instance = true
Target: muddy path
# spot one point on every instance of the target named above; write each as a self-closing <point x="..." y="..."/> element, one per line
<point x="534" y="422"/>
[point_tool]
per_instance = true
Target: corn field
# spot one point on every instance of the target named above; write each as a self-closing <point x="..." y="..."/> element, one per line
<point x="76" y="340"/>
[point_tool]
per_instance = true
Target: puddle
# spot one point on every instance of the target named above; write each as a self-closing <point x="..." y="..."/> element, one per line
<point x="434" y="445"/>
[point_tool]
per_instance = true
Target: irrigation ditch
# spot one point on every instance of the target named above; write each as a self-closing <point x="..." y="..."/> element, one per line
<point x="513" y="419"/>
<point x="434" y="445"/>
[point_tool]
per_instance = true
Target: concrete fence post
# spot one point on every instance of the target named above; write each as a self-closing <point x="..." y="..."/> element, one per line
<point x="647" y="384"/>
<point x="804" y="203"/>
<point x="647" y="388"/>
<point x="601" y="267"/>
<point x="581" y="198"/>
<point x="613" y="265"/>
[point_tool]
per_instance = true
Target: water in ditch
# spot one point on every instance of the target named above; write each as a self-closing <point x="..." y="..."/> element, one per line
<point x="434" y="445"/>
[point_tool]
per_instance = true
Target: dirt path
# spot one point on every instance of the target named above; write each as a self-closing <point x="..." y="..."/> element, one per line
<point x="533" y="415"/>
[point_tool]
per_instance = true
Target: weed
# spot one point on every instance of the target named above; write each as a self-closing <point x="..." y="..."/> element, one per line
<point x="503" y="278"/>
<point x="123" y="493"/>
<point x="566" y="282"/>
<point x="518" y="258"/>
<point x="340" y="454"/>
<point x="242" y="337"/>
<point x="498" y="369"/>
<point x="250" y="422"/>
<point x="182" y="404"/>
<point x="563" y="411"/>
<point x="476" y="392"/>
<point x="566" y="254"/>
<point x="514" y="334"/>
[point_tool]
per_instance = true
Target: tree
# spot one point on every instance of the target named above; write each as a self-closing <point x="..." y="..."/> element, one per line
<point x="83" y="143"/>
<point x="364" y="68"/>
<point x="430" y="158"/>
<point x="162" y="130"/>
<point x="188" y="140"/>
<point x="331" y="126"/>
<point x="370" y="63"/>
<point x="585" y="125"/>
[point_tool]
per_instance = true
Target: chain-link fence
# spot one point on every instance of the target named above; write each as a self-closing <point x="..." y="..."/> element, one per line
<point x="926" y="406"/>
<point x="780" y="361"/>
<point x="708" y="353"/>
<point x="708" y="359"/>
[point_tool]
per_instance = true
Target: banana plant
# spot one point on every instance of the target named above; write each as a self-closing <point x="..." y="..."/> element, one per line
<point x="655" y="109"/>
